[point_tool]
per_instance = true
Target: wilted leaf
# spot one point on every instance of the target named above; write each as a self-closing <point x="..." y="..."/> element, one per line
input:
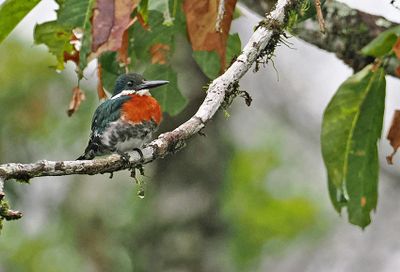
<point x="74" y="54"/>
<point x="77" y="97"/>
<point x="351" y="127"/>
<point x="57" y="38"/>
<point x="201" y="18"/>
<point x="396" y="48"/>
<point x="394" y="135"/>
<point x="382" y="44"/>
<point x="123" y="54"/>
<point x="142" y="21"/>
<point x="108" y="36"/>
<point x="159" y="53"/>
<point x="12" y="12"/>
<point x="208" y="62"/>
<point x="100" y="90"/>
<point x="170" y="98"/>
<point x="102" y="23"/>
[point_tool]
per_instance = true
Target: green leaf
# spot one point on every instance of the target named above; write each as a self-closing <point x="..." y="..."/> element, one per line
<point x="110" y="69"/>
<point x="170" y="98"/>
<point x="87" y="38"/>
<point x="56" y="37"/>
<point x="158" y="33"/>
<point x="74" y="13"/>
<point x="233" y="47"/>
<point x="57" y="34"/>
<point x="12" y="12"/>
<point x="163" y="7"/>
<point x="382" y="44"/>
<point x="351" y="127"/>
<point x="143" y="9"/>
<point x="208" y="62"/>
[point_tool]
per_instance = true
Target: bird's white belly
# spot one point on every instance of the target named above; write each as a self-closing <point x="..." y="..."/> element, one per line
<point x="123" y="137"/>
<point x="129" y="144"/>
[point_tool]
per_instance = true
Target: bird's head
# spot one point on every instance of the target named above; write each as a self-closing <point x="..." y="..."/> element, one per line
<point x="134" y="83"/>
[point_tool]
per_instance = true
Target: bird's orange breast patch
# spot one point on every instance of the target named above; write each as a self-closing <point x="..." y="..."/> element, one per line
<point x="141" y="108"/>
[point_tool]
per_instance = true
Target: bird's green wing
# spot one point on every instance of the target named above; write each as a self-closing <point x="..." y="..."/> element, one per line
<point x="109" y="111"/>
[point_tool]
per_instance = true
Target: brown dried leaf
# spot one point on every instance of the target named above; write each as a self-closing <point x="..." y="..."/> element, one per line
<point x="394" y="135"/>
<point x="159" y="53"/>
<point x="74" y="55"/>
<point x="100" y="90"/>
<point x="397" y="71"/>
<point x="77" y="97"/>
<point x="142" y="22"/>
<point x="396" y="48"/>
<point x="107" y="35"/>
<point x="103" y="21"/>
<point x="123" y="56"/>
<point x="201" y="16"/>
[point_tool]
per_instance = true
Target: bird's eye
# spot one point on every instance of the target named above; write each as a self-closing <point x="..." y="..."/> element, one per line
<point x="130" y="83"/>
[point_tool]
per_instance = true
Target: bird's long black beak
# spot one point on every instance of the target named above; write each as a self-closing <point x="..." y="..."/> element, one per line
<point x="148" y="84"/>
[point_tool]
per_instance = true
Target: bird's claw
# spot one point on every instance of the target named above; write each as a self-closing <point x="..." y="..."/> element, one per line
<point x="140" y="165"/>
<point x="125" y="159"/>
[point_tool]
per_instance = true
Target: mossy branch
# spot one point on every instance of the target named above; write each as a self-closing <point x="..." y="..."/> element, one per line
<point x="347" y="31"/>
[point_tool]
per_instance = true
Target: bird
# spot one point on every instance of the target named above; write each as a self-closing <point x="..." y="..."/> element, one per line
<point x="127" y="120"/>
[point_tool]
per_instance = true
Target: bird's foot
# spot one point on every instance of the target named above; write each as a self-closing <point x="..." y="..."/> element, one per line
<point x="125" y="159"/>
<point x="140" y="165"/>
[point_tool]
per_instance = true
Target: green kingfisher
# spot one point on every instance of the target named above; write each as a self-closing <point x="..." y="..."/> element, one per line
<point x="127" y="120"/>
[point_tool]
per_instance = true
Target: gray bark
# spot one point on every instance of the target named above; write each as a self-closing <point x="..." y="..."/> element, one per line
<point x="347" y="32"/>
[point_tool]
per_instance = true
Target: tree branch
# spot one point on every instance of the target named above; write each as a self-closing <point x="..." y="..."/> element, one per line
<point x="5" y="212"/>
<point x="347" y="32"/>
<point x="2" y="188"/>
<point x="169" y="142"/>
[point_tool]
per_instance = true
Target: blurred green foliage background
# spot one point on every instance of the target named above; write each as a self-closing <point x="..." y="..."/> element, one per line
<point x="207" y="208"/>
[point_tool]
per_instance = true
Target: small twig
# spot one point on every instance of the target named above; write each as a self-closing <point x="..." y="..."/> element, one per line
<point x="320" y="16"/>
<point x="220" y="15"/>
<point x="5" y="212"/>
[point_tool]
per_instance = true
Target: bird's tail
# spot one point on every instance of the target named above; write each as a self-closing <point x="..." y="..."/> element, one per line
<point x="82" y="157"/>
<point x="91" y="150"/>
<point x="88" y="155"/>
